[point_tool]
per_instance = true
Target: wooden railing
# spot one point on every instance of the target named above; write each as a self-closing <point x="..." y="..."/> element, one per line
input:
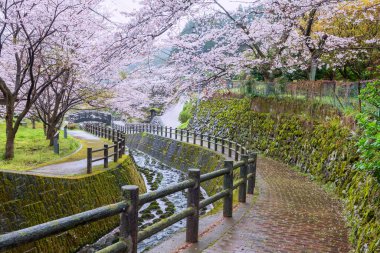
<point x="130" y="235"/>
<point x="118" y="147"/>
<point x="222" y="145"/>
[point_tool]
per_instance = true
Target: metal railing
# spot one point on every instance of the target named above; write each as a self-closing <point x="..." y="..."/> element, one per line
<point x="118" y="147"/>
<point x="130" y="235"/>
<point x="224" y="146"/>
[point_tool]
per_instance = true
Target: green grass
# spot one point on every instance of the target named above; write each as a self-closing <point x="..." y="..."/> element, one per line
<point x="32" y="149"/>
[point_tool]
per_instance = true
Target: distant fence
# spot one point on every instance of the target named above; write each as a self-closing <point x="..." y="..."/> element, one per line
<point x="339" y="94"/>
<point x="130" y="235"/>
<point x="118" y="147"/>
<point x="224" y="146"/>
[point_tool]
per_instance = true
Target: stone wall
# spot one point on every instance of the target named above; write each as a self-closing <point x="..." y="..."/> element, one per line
<point x="180" y="155"/>
<point x="322" y="146"/>
<point x="27" y="200"/>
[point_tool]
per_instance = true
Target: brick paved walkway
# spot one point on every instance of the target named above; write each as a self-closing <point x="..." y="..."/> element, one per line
<point x="291" y="214"/>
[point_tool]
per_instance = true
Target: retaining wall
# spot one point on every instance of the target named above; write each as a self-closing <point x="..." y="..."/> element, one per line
<point x="180" y="155"/>
<point x="27" y="200"/>
<point x="322" y="145"/>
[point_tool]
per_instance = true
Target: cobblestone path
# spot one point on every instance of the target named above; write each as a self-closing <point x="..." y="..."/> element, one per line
<point x="291" y="214"/>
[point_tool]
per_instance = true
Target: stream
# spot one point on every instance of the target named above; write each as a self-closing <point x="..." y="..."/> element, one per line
<point x="156" y="176"/>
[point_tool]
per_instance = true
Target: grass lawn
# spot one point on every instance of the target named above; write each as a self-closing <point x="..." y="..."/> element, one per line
<point x="32" y="149"/>
<point x="81" y="153"/>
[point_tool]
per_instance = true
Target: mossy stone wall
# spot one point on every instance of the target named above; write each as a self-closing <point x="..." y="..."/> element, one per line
<point x="180" y="155"/>
<point x="322" y="145"/>
<point x="27" y="200"/>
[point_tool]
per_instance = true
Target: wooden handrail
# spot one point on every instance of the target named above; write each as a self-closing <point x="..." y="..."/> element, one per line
<point x="245" y="183"/>
<point x="40" y="231"/>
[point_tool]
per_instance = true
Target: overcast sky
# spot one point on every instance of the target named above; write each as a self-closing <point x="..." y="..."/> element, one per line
<point x="117" y="6"/>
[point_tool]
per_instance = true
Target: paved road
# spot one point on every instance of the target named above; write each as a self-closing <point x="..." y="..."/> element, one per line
<point x="79" y="134"/>
<point x="291" y="214"/>
<point x="69" y="168"/>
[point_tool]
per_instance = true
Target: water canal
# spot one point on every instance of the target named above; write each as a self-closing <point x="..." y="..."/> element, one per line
<point x="156" y="175"/>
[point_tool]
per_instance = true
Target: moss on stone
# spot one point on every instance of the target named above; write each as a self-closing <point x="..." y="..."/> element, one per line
<point x="27" y="200"/>
<point x="315" y="139"/>
<point x="181" y="156"/>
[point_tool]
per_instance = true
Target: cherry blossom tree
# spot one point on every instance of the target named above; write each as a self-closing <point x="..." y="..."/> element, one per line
<point x="37" y="38"/>
<point x="271" y="36"/>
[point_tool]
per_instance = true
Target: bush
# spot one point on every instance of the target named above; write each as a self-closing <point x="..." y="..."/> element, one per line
<point x="186" y="114"/>
<point x="72" y="126"/>
<point x="369" y="122"/>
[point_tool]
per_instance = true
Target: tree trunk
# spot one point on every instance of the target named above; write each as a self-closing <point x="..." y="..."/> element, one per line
<point x="10" y="146"/>
<point x="10" y="131"/>
<point x="269" y="83"/>
<point x="360" y="101"/>
<point x="33" y="123"/>
<point x="50" y="134"/>
<point x="313" y="69"/>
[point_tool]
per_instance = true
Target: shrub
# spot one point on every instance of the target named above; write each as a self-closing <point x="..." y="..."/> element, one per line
<point x="186" y="113"/>
<point x="369" y="122"/>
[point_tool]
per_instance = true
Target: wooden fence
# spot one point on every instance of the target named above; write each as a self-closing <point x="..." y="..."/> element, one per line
<point x="130" y="235"/>
<point x="118" y="147"/>
<point x="224" y="146"/>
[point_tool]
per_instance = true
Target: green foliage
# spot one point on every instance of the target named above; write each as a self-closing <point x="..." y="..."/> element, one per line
<point x="72" y="126"/>
<point x="323" y="147"/>
<point x="32" y="148"/>
<point x="184" y="125"/>
<point x="28" y="200"/>
<point x="157" y="110"/>
<point x="369" y="122"/>
<point x="186" y="112"/>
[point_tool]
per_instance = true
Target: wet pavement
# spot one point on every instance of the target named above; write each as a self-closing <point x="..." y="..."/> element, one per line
<point x="160" y="176"/>
<point x="79" y="134"/>
<point x="291" y="214"/>
<point x="69" y="168"/>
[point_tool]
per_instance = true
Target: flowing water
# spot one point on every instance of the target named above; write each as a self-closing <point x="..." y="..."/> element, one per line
<point x="156" y="176"/>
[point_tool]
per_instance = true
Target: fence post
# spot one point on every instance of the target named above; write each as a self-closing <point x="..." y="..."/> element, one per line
<point x="252" y="170"/>
<point x="162" y="130"/>
<point x="223" y="146"/>
<point x="215" y="143"/>
<point x="123" y="143"/>
<point x="236" y="151"/>
<point x="119" y="142"/>
<point x="243" y="175"/>
<point x="175" y="133"/>
<point x="192" y="222"/>
<point x="105" y="155"/>
<point x="89" y="160"/>
<point x="201" y="140"/>
<point x="229" y="148"/>
<point x="65" y="132"/>
<point x="166" y="131"/>
<point x="56" y="143"/>
<point x="194" y="137"/>
<point x="181" y="135"/>
<point x="170" y="133"/>
<point x="116" y="151"/>
<point x="228" y="184"/>
<point x="187" y="135"/>
<point x="208" y="141"/>
<point x="129" y="218"/>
